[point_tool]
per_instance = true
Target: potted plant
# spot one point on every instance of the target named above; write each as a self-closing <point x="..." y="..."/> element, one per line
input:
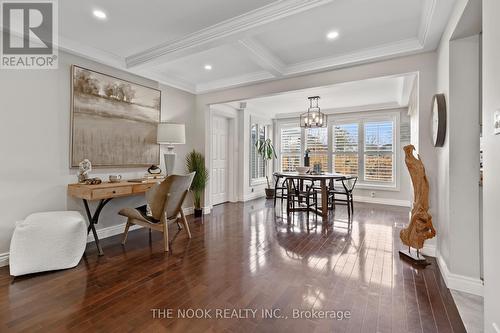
<point x="265" y="149"/>
<point x="195" y="162"/>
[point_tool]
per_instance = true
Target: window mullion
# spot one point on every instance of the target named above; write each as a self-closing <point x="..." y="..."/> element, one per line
<point x="361" y="150"/>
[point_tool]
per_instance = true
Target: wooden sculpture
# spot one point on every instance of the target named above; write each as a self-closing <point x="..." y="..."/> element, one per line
<point x="420" y="227"/>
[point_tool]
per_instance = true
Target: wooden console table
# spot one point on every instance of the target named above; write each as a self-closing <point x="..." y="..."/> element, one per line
<point x="105" y="192"/>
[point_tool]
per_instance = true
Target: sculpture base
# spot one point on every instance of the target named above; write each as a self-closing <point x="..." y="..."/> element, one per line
<point x="414" y="255"/>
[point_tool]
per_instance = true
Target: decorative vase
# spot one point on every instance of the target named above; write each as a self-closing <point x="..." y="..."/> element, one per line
<point x="306" y="160"/>
<point x="198" y="212"/>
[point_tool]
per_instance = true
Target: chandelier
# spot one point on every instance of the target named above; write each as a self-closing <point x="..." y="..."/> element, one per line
<point x="313" y="117"/>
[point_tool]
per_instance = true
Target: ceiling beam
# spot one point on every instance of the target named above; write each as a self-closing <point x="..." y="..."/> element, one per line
<point x="262" y="56"/>
<point x="222" y="32"/>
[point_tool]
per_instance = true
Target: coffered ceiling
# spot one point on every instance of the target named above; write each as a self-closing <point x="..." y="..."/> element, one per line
<point x="200" y="46"/>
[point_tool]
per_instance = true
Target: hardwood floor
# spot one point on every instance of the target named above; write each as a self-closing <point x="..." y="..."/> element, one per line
<point x="241" y="257"/>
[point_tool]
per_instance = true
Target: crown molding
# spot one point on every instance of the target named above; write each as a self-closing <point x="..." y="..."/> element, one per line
<point x="428" y="10"/>
<point x="233" y="81"/>
<point x="255" y="18"/>
<point x="169" y="80"/>
<point x="262" y="56"/>
<point x="91" y="53"/>
<point x="372" y="54"/>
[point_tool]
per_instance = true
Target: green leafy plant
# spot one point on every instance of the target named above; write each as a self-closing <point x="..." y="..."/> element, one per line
<point x="266" y="150"/>
<point x="195" y="162"/>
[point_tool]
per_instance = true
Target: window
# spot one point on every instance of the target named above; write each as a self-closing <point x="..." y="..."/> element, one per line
<point x="360" y="145"/>
<point x="379" y="151"/>
<point x="257" y="163"/>
<point x="365" y="148"/>
<point x="290" y="151"/>
<point x="317" y="143"/>
<point x="345" y="148"/>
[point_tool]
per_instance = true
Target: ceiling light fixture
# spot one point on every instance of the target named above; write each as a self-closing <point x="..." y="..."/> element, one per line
<point x="208" y="67"/>
<point x="332" y="35"/>
<point x="99" y="14"/>
<point x="313" y="117"/>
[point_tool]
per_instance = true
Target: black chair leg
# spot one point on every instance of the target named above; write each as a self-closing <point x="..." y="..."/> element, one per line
<point x="348" y="209"/>
<point x="352" y="205"/>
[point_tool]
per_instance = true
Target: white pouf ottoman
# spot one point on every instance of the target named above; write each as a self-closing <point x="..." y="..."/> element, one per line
<point x="47" y="241"/>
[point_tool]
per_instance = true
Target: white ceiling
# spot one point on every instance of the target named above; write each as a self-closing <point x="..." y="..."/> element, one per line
<point x="246" y="41"/>
<point x="364" y="95"/>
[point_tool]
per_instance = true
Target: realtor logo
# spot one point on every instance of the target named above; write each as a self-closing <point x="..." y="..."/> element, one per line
<point x="29" y="35"/>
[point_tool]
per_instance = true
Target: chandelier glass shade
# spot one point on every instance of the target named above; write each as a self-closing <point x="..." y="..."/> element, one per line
<point x="313" y="117"/>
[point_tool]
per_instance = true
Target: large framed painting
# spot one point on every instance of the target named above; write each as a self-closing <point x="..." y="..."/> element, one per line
<point x="114" y="122"/>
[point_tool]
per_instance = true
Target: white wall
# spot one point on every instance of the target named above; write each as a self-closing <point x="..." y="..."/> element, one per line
<point x="34" y="142"/>
<point x="491" y="187"/>
<point x="458" y="160"/>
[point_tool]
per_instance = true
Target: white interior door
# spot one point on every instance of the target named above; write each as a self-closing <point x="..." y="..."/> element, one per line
<point x="219" y="174"/>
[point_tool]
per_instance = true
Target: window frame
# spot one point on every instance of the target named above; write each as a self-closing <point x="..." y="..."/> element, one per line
<point x="288" y="124"/>
<point x="360" y="119"/>
<point x="258" y="180"/>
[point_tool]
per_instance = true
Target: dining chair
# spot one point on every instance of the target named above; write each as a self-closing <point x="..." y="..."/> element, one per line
<point x="280" y="189"/>
<point x="297" y="195"/>
<point x="348" y="184"/>
<point x="164" y="205"/>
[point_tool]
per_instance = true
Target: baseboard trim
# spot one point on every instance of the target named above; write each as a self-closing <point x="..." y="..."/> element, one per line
<point x="459" y="282"/>
<point x="107" y="232"/>
<point x="383" y="201"/>
<point x="4" y="259"/>
<point x="111" y="231"/>
<point x="252" y="196"/>
<point x="429" y="250"/>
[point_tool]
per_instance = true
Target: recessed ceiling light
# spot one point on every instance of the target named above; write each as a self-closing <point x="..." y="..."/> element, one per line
<point x="99" y="14"/>
<point x="332" y="35"/>
<point x="208" y="67"/>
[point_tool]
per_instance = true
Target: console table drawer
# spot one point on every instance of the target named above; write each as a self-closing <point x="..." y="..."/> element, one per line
<point x="141" y="188"/>
<point x="104" y="193"/>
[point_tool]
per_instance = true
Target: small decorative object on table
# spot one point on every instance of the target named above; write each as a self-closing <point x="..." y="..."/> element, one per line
<point x="317" y="168"/>
<point x="266" y="150"/>
<point x="420" y="227"/>
<point x="154" y="170"/>
<point x="84" y="168"/>
<point x="306" y="157"/>
<point x="302" y="170"/>
<point x="115" y="178"/>
<point x="195" y="162"/>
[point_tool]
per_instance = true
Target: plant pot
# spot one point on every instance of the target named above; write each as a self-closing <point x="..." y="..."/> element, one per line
<point x="198" y="212"/>
<point x="269" y="193"/>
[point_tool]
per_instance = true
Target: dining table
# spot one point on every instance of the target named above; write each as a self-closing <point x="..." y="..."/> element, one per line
<point x="324" y="180"/>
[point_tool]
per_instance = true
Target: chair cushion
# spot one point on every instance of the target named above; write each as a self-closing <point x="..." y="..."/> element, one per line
<point x="47" y="241"/>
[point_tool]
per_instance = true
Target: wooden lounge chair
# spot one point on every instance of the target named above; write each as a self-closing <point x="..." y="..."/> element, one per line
<point x="165" y="204"/>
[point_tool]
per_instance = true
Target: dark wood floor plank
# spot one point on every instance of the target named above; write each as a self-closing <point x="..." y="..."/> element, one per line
<point x="242" y="256"/>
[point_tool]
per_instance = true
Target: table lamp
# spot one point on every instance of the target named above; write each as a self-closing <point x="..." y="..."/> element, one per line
<point x="170" y="134"/>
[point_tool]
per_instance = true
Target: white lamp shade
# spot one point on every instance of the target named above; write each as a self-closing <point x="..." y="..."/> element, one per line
<point x="169" y="133"/>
